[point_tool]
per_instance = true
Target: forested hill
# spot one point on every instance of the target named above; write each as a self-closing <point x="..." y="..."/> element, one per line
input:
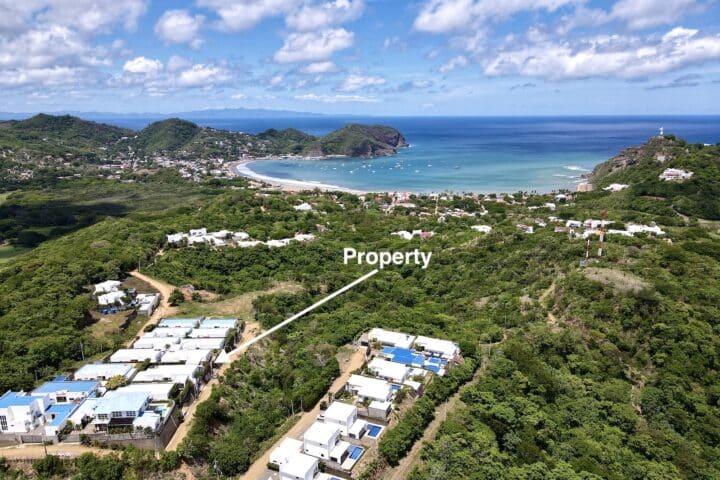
<point x="640" y="168"/>
<point x="44" y="135"/>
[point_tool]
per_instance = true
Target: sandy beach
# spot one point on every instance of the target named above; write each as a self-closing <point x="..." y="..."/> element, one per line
<point x="242" y="169"/>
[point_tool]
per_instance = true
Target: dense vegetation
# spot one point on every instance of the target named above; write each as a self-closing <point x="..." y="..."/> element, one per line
<point x="604" y="371"/>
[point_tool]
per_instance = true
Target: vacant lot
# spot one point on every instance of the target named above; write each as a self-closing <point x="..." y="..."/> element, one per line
<point x="617" y="279"/>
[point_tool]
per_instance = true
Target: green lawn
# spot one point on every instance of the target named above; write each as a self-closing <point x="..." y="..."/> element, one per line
<point x="7" y="252"/>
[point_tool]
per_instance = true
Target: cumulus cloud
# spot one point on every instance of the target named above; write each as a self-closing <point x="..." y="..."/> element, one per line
<point x="313" y="17"/>
<point x="51" y="76"/>
<point x="605" y="56"/>
<point x="313" y="46"/>
<point x="202" y="76"/>
<point x="355" y="82"/>
<point x="456" y="62"/>
<point x="636" y="14"/>
<point x="238" y="96"/>
<point x="336" y="98"/>
<point x="142" y="65"/>
<point x="319" y="67"/>
<point x="446" y="16"/>
<point x="176" y="63"/>
<point x="179" y="26"/>
<point x="239" y="15"/>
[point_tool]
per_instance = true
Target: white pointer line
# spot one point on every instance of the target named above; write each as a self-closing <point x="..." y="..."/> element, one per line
<point x="300" y="314"/>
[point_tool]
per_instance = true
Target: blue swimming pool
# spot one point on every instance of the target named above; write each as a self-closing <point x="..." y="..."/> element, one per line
<point x="373" y="431"/>
<point x="394" y="387"/>
<point x="356" y="452"/>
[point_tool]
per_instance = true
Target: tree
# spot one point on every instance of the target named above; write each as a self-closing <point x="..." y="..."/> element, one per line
<point x="176" y="297"/>
<point x="116" y="382"/>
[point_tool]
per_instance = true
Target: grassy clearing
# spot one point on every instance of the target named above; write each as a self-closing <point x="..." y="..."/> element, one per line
<point x="617" y="279"/>
<point x="8" y="252"/>
<point x="240" y="306"/>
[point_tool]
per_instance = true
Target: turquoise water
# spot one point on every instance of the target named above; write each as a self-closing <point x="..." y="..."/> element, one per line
<point x="487" y="155"/>
<point x="478" y="154"/>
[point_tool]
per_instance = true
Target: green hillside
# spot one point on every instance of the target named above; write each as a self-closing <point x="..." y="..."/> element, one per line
<point x="167" y="135"/>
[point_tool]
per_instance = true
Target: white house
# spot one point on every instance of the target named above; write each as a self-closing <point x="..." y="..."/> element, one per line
<point x="636" y="228"/>
<point x="278" y="243"/>
<point x="674" y="174"/>
<point x="404" y="234"/>
<point x="299" y="467"/>
<point x="127" y="355"/>
<point x="390" y="338"/>
<point x="147" y="420"/>
<point x="482" y="228"/>
<point x="200" y="344"/>
<point x="67" y="391"/>
<point x="616" y="187"/>
<point x="147" y="303"/>
<point x="341" y="415"/>
<point x="148" y="341"/>
<point x="179" y="322"/>
<point x="573" y="224"/>
<point x="209" y="332"/>
<point x="248" y="243"/>
<point x="175" y="238"/>
<point x="162" y="332"/>
<point x="303" y="207"/>
<point x="189" y="357"/>
<point x="156" y="391"/>
<point x="107" y="286"/>
<point x="111" y="298"/>
<point x="437" y="347"/>
<point x="219" y="323"/>
<point x="21" y="412"/>
<point x="199" y="232"/>
<point x="624" y="233"/>
<point x="366" y="388"/>
<point x="322" y="440"/>
<point x="239" y="236"/>
<point x="102" y="372"/>
<point x="288" y="448"/>
<point x="117" y="408"/>
<point x="390" y="371"/>
<point x="168" y="373"/>
<point x="57" y="416"/>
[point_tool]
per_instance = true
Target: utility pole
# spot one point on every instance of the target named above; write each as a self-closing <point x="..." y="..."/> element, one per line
<point x="82" y="350"/>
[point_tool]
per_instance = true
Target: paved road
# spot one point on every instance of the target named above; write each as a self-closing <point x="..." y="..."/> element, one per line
<point x="258" y="469"/>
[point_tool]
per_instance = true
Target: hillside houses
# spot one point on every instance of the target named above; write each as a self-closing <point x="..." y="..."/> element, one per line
<point x="160" y="364"/>
<point x="226" y="238"/>
<point x="675" y="174"/>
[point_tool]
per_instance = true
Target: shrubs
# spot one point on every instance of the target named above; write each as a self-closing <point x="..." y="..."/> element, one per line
<point x="398" y="441"/>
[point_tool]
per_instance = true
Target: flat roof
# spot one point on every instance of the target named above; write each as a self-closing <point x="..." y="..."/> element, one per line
<point x="385" y="368"/>
<point x="339" y="410"/>
<point x="60" y="412"/>
<point x="104" y="369"/>
<point x="115" y="401"/>
<point x="321" y="433"/>
<point x="83" y="386"/>
<point x="15" y="399"/>
<point x="298" y="465"/>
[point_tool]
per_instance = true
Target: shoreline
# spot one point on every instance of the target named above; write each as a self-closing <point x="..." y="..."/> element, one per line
<point x="241" y="168"/>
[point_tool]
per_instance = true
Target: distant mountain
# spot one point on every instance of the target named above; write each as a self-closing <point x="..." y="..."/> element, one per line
<point x="59" y="135"/>
<point x="211" y="114"/>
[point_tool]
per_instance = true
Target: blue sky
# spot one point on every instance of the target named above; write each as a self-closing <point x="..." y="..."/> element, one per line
<point x="385" y="57"/>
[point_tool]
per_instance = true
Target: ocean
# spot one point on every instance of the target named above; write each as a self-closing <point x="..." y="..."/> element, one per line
<point x="475" y="154"/>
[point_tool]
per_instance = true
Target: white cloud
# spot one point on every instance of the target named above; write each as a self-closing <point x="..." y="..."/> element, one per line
<point x="355" y="82"/>
<point x="40" y="76"/>
<point x="314" y="17"/>
<point x="176" y="63"/>
<point x="238" y="96"/>
<point x="606" y="56"/>
<point x="178" y="26"/>
<point x="636" y="14"/>
<point x="336" y="98"/>
<point x="142" y="65"/>
<point x="444" y="16"/>
<point x="86" y="16"/>
<point x="456" y="62"/>
<point x="202" y="76"/>
<point x="313" y="46"/>
<point x="239" y="15"/>
<point x="319" y="67"/>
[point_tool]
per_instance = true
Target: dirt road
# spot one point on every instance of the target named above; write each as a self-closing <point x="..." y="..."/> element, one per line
<point x="252" y="329"/>
<point x="258" y="468"/>
<point x="29" y="451"/>
<point x="164" y="309"/>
